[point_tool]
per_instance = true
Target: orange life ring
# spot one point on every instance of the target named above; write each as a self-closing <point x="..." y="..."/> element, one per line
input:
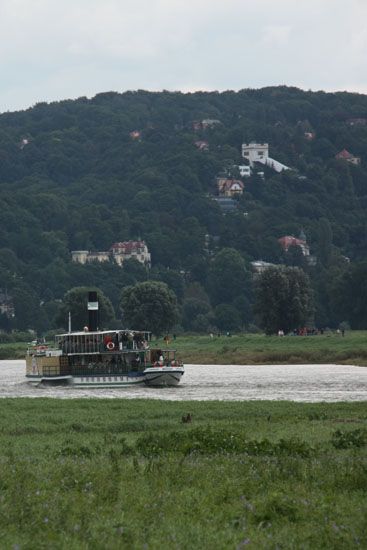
<point x="110" y="346"/>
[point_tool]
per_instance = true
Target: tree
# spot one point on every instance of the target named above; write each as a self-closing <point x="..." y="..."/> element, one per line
<point x="191" y="309"/>
<point x="26" y="307"/>
<point x="76" y="301"/>
<point x="135" y="269"/>
<point x="228" y="277"/>
<point x="349" y="296"/>
<point x="227" y="317"/>
<point x="283" y="299"/>
<point x="149" y="306"/>
<point x="172" y="278"/>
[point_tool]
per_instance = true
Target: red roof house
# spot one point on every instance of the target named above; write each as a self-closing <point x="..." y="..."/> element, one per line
<point x="348" y="157"/>
<point x="289" y="241"/>
<point x="229" y="187"/>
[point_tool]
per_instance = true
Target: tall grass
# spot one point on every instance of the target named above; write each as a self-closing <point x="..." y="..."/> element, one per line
<point x="260" y="349"/>
<point x="130" y="474"/>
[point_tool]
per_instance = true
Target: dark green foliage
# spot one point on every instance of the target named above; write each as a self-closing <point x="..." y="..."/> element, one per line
<point x="150" y="306"/>
<point x="349" y="295"/>
<point x="227" y="318"/>
<point x="283" y="299"/>
<point x="82" y="182"/>
<point x="227" y="277"/>
<point x="348" y="439"/>
<point x="208" y="441"/>
<point x="192" y="309"/>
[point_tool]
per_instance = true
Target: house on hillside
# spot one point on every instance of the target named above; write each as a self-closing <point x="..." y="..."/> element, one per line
<point x="202" y="145"/>
<point x="229" y="187"/>
<point x="198" y="125"/>
<point x="348" y="157"/>
<point x="255" y="152"/>
<point x="259" y="152"/>
<point x="209" y="123"/>
<point x="288" y="240"/>
<point x="118" y="252"/>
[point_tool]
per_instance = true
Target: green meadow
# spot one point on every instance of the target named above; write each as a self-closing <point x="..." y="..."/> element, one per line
<point x="248" y="349"/>
<point x="86" y="474"/>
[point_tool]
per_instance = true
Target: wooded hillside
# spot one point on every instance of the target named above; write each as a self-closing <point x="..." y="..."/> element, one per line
<point x="83" y="174"/>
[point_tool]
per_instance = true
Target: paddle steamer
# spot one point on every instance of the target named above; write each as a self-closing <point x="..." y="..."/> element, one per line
<point x="109" y="358"/>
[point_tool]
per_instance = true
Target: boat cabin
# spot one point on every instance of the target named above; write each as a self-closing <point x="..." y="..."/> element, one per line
<point x="102" y="341"/>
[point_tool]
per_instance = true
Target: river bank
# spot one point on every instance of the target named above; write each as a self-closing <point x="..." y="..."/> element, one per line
<point x="130" y="474"/>
<point x="254" y="349"/>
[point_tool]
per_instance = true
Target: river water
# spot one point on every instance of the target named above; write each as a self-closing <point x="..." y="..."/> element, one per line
<point x="309" y="383"/>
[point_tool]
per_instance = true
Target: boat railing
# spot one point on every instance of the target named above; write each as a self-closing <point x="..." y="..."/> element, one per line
<point x="72" y="348"/>
<point x="103" y="370"/>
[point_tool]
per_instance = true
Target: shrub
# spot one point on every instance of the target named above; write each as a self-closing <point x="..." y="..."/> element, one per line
<point x="209" y="441"/>
<point x="347" y="439"/>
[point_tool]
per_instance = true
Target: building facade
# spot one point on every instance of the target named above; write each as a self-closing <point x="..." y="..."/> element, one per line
<point x="118" y="252"/>
<point x="255" y="152"/>
<point x="348" y="157"/>
<point x="259" y="152"/>
<point x="229" y="187"/>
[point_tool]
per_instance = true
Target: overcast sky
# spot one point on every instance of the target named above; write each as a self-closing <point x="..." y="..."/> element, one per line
<point x="58" y="49"/>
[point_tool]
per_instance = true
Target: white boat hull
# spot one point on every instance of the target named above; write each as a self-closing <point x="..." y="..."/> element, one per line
<point x="87" y="381"/>
<point x="163" y="376"/>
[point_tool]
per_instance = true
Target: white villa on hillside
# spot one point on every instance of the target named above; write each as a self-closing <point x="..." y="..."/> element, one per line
<point x="119" y="252"/>
<point x="259" y="152"/>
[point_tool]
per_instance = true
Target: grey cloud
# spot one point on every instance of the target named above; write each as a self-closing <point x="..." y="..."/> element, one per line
<point x="51" y="50"/>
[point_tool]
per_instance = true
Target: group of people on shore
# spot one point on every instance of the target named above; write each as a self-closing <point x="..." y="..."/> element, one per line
<point x="304" y="331"/>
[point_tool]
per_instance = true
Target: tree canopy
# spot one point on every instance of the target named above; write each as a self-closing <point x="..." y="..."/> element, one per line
<point x="150" y="306"/>
<point x="283" y="299"/>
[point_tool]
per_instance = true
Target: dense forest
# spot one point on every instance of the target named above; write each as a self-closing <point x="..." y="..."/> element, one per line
<point x="83" y="174"/>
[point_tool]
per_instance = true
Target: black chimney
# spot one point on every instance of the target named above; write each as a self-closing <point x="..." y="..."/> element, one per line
<point x="92" y="311"/>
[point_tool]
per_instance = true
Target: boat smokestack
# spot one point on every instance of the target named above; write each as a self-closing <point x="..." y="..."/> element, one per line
<point x="92" y="311"/>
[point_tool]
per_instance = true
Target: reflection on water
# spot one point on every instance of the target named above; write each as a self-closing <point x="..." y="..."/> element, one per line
<point x="222" y="382"/>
